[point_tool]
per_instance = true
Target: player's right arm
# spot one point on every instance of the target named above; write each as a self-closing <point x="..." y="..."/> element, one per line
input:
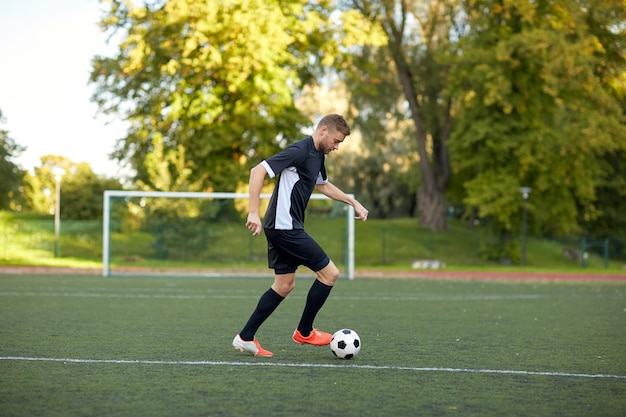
<point x="332" y="191"/>
<point x="255" y="185"/>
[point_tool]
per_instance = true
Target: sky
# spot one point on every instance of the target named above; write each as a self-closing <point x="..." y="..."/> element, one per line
<point x="46" y="49"/>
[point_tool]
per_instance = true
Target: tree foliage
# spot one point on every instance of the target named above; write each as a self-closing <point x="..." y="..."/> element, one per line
<point x="12" y="176"/>
<point x="512" y="93"/>
<point x="81" y="189"/>
<point x="537" y="109"/>
<point x="418" y="34"/>
<point x="216" y="79"/>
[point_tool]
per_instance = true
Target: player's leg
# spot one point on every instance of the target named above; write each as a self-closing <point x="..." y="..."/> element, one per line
<point x="316" y="298"/>
<point x="329" y="274"/>
<point x="284" y="283"/>
<point x="296" y="247"/>
<point x="245" y="340"/>
<point x="269" y="301"/>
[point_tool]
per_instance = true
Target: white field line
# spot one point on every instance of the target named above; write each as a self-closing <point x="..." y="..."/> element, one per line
<point x="495" y="297"/>
<point x="313" y="365"/>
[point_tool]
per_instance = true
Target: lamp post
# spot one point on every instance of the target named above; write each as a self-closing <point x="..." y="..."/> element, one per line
<point x="525" y="193"/>
<point x="58" y="173"/>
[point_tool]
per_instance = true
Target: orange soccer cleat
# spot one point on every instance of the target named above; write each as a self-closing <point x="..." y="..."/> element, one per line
<point x="316" y="338"/>
<point x="253" y="347"/>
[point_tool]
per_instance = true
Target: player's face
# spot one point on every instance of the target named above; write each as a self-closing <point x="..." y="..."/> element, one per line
<point x="331" y="139"/>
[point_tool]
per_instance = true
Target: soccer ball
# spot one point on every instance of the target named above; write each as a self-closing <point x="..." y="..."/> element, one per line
<point x="345" y="344"/>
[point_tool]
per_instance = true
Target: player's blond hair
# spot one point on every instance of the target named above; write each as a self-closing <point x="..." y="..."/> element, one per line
<point x="335" y="122"/>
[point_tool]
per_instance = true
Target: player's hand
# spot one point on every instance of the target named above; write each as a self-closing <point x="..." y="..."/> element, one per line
<point x="254" y="224"/>
<point x="361" y="212"/>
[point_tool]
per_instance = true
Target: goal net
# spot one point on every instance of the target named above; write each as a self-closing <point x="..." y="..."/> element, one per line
<point x="204" y="234"/>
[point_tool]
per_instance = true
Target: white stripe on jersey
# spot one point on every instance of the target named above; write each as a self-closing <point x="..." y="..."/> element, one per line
<point x="288" y="179"/>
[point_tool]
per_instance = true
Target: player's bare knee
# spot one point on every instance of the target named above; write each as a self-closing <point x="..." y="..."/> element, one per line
<point x="330" y="281"/>
<point x="283" y="288"/>
<point x="329" y="274"/>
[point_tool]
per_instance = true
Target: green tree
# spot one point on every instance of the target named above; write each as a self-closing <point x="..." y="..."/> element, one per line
<point x="377" y="162"/>
<point x="215" y="78"/>
<point x="605" y="21"/>
<point x="12" y="176"/>
<point x="82" y="193"/>
<point x="537" y="109"/>
<point x="81" y="189"/>
<point x="418" y="34"/>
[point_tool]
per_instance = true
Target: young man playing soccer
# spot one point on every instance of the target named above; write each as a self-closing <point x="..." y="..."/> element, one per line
<point x="300" y="168"/>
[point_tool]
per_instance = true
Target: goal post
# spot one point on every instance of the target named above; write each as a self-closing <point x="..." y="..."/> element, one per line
<point x="162" y="232"/>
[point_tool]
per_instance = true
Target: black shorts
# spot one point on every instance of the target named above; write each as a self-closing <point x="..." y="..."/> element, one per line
<point x="288" y="249"/>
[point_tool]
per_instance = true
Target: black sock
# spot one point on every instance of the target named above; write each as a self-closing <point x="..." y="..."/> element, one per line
<point x="266" y="306"/>
<point x="314" y="301"/>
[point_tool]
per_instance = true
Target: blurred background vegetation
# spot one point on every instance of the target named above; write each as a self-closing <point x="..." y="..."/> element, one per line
<point x="456" y="105"/>
<point x="203" y="244"/>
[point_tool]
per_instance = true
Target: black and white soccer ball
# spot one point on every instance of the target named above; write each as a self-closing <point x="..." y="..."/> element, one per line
<point x="345" y="344"/>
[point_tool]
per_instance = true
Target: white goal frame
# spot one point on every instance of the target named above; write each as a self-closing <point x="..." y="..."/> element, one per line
<point x="106" y="233"/>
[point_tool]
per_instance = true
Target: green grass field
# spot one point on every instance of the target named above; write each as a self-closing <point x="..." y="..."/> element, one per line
<point x="92" y="346"/>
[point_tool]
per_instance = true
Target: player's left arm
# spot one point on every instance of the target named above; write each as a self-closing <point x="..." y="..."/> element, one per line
<point x="333" y="192"/>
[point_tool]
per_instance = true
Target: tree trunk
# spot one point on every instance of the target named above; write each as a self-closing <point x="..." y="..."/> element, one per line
<point x="432" y="208"/>
<point x="434" y="165"/>
<point x="435" y="168"/>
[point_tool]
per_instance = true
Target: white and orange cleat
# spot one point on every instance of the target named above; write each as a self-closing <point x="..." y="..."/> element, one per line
<point x="252" y="347"/>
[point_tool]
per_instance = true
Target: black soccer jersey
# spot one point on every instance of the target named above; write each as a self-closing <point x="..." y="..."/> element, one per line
<point x="299" y="168"/>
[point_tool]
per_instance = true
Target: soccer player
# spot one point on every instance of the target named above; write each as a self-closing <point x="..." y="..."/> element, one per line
<point x="300" y="169"/>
